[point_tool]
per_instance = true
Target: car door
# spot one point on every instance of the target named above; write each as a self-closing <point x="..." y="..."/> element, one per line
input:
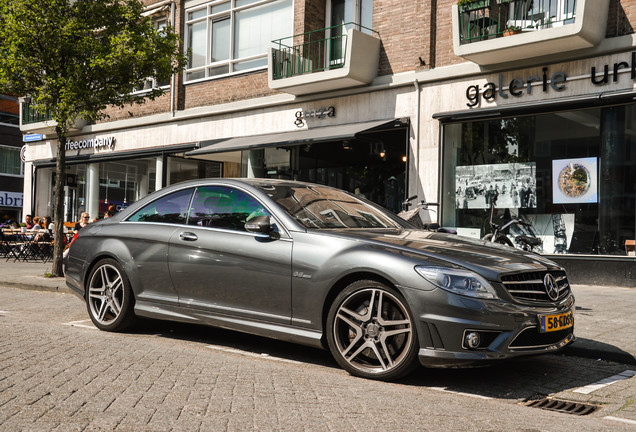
<point x="218" y="266"/>
<point x="147" y="235"/>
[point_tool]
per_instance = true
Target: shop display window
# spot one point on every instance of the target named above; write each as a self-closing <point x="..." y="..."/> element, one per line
<point x="569" y="173"/>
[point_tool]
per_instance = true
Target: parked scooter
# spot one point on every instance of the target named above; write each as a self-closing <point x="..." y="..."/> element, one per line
<point x="525" y="242"/>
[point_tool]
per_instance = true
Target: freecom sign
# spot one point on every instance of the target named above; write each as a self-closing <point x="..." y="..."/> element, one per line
<point x="95" y="143"/>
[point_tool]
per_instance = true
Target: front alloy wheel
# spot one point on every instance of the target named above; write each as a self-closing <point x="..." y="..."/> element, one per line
<point x="109" y="298"/>
<point x="371" y="333"/>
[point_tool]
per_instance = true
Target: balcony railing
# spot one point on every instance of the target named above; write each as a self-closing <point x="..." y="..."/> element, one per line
<point x="30" y="115"/>
<point x="315" y="51"/>
<point x="488" y="19"/>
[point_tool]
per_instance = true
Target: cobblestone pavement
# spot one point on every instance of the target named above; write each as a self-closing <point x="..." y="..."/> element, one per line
<point x="58" y="373"/>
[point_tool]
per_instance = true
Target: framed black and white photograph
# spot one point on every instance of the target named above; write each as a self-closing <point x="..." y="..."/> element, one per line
<point x="513" y="185"/>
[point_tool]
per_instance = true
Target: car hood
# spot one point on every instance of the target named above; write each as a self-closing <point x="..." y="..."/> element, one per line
<point x="486" y="258"/>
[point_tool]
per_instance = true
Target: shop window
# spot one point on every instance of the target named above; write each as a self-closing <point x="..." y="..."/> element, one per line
<point x="171" y="208"/>
<point x="10" y="162"/>
<point x="373" y="167"/>
<point x="233" y="36"/>
<point x="568" y="173"/>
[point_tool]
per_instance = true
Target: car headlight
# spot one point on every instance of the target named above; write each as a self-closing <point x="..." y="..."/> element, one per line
<point x="461" y="282"/>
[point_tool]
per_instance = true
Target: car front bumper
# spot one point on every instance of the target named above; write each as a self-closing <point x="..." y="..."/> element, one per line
<point x="506" y="329"/>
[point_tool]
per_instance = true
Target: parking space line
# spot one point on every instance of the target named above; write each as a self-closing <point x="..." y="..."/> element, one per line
<point x="442" y="389"/>
<point x="3" y="312"/>
<point x="605" y="382"/>
<point x="80" y="324"/>
<point x="622" y="420"/>
<point x="251" y="354"/>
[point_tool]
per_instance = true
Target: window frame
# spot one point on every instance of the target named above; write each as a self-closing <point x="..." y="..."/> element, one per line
<point x="151" y="83"/>
<point x="208" y="19"/>
<point x="18" y="149"/>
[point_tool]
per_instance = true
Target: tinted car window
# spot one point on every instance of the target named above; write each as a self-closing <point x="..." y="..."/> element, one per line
<point x="223" y="207"/>
<point x="172" y="208"/>
<point x="324" y="207"/>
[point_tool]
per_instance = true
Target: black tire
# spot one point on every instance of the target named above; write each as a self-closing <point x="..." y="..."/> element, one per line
<point x="501" y="239"/>
<point x="109" y="298"/>
<point x="369" y="344"/>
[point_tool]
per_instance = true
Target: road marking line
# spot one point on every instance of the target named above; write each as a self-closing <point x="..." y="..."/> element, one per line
<point x="442" y="389"/>
<point x="79" y="324"/>
<point x="3" y="312"/>
<point x="605" y="382"/>
<point x="622" y="420"/>
<point x="251" y="354"/>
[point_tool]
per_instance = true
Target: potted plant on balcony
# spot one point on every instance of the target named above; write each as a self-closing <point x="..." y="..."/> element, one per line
<point x="471" y="5"/>
<point x="511" y="30"/>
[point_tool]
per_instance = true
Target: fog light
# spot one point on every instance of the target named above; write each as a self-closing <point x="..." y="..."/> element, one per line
<point x="472" y="340"/>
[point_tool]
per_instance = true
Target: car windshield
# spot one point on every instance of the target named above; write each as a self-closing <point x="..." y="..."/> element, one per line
<point x="325" y="207"/>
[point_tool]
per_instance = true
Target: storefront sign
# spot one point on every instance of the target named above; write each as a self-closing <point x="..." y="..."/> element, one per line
<point x="96" y="143"/>
<point x="556" y="82"/>
<point x="11" y="199"/>
<point x="319" y="113"/>
<point x="515" y="87"/>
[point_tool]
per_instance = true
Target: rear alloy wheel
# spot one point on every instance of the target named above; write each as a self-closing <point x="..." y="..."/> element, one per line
<point x="109" y="299"/>
<point x="371" y="332"/>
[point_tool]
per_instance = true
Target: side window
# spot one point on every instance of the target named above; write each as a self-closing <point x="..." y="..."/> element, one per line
<point x="223" y="207"/>
<point x="172" y="208"/>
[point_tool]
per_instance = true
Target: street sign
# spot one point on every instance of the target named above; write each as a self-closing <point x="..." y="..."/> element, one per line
<point x="32" y="137"/>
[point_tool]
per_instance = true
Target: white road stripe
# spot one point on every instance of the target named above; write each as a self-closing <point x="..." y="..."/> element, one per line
<point x="3" y="312"/>
<point x="80" y="324"/>
<point x="442" y="389"/>
<point x="622" y="420"/>
<point x="250" y="354"/>
<point x="605" y="382"/>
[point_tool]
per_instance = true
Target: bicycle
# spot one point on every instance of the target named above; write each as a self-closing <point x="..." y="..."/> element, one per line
<point x="524" y="242"/>
<point x="413" y="215"/>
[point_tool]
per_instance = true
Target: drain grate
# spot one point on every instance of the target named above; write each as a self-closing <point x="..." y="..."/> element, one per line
<point x="562" y="406"/>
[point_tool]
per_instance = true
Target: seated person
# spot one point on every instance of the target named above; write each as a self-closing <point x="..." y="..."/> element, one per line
<point x="84" y="220"/>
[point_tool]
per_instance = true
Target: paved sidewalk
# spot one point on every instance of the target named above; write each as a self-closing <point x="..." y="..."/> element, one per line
<point x="604" y="329"/>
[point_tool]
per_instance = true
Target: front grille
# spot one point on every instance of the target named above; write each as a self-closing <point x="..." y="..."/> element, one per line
<point x="529" y="286"/>
<point x="531" y="338"/>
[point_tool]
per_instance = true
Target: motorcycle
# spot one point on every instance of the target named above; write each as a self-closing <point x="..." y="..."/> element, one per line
<point x="524" y="242"/>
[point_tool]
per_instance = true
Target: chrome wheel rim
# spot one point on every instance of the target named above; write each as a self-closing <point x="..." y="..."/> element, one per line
<point x="372" y="330"/>
<point x="106" y="294"/>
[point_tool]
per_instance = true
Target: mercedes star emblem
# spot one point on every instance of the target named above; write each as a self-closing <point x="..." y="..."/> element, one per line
<point x="551" y="286"/>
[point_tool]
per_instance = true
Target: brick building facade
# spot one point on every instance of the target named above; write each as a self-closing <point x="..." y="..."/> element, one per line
<point x="389" y="99"/>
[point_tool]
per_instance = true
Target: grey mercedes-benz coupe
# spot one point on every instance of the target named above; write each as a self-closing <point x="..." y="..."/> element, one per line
<point x="315" y="265"/>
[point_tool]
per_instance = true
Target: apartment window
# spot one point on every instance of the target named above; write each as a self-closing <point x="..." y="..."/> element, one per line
<point x="226" y="37"/>
<point x="10" y="163"/>
<point x="151" y="83"/>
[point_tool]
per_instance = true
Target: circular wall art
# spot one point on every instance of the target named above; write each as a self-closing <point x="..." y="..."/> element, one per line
<point x="574" y="180"/>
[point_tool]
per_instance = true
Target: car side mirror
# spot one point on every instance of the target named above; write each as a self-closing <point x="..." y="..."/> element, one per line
<point x="260" y="225"/>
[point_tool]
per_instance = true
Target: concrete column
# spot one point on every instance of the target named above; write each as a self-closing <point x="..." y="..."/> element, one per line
<point x="29" y="200"/>
<point x="92" y="190"/>
<point x="44" y="189"/>
<point x="159" y="173"/>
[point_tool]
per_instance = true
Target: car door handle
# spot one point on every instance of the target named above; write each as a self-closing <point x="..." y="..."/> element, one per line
<point x="188" y="236"/>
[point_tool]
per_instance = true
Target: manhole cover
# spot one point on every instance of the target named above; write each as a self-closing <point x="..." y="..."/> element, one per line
<point x="562" y="406"/>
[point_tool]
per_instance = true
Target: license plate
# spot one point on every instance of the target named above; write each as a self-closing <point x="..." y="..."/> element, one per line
<point x="550" y="323"/>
